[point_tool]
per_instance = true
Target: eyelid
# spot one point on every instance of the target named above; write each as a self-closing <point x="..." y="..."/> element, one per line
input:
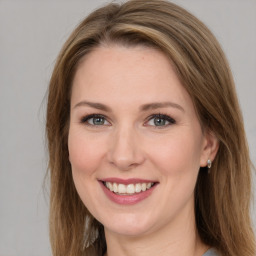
<point x="161" y="116"/>
<point x="166" y="117"/>
<point x="84" y="119"/>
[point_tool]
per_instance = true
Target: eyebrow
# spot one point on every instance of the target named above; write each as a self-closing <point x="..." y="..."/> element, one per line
<point x="156" y="105"/>
<point x="145" y="107"/>
<point x="93" y="105"/>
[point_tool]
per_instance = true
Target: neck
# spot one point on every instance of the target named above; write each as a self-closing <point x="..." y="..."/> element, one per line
<point x="174" y="239"/>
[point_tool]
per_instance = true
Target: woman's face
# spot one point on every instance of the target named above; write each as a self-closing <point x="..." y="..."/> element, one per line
<point x="134" y="130"/>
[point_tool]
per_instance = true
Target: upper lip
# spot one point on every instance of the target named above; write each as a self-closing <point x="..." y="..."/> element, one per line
<point x="126" y="181"/>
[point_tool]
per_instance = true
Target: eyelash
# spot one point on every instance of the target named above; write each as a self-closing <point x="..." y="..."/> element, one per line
<point x="85" y="119"/>
<point x="164" y="117"/>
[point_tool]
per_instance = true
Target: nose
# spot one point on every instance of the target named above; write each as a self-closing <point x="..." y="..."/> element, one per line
<point x="125" y="152"/>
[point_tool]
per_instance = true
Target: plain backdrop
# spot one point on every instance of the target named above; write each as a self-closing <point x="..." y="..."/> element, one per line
<point x="31" y="35"/>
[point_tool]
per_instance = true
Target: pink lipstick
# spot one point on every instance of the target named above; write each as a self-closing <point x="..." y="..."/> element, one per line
<point x="127" y="191"/>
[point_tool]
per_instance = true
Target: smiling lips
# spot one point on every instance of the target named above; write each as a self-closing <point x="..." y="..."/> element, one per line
<point x="129" y="189"/>
<point x="127" y="192"/>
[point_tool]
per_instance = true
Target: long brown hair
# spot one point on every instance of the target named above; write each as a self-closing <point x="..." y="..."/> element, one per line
<point x="222" y="198"/>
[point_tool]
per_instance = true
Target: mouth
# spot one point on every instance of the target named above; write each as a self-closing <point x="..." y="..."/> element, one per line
<point x="128" y="189"/>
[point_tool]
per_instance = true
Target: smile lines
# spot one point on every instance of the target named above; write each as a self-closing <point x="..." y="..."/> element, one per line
<point x="129" y="189"/>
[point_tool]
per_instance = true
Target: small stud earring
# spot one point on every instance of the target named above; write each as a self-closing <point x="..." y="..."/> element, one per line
<point x="209" y="165"/>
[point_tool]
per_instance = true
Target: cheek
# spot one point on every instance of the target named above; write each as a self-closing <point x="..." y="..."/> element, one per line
<point x="177" y="154"/>
<point x="85" y="152"/>
<point x="178" y="160"/>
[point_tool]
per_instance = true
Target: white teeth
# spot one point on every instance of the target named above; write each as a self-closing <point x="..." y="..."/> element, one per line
<point x="115" y="188"/>
<point x="128" y="189"/>
<point x="137" y="188"/>
<point x="149" y="185"/>
<point x="109" y="186"/>
<point x="121" y="189"/>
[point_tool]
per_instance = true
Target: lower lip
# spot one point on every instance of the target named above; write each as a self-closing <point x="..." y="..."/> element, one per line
<point x="127" y="199"/>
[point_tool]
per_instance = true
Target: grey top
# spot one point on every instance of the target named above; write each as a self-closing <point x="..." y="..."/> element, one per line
<point x="211" y="252"/>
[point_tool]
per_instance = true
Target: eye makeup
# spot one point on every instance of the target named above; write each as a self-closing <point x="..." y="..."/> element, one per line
<point x="155" y="120"/>
<point x="160" y="120"/>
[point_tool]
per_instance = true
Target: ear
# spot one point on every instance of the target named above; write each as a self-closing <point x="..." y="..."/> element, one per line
<point x="210" y="148"/>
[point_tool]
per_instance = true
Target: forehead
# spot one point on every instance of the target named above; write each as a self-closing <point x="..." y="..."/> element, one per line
<point x="127" y="73"/>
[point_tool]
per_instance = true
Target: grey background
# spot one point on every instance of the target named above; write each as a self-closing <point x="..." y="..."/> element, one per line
<point x="31" y="35"/>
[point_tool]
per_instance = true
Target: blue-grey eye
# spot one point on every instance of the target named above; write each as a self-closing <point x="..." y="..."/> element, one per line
<point x="97" y="121"/>
<point x="160" y="120"/>
<point x="94" y="119"/>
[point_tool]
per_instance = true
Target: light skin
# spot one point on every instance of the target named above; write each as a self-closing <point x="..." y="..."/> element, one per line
<point x="146" y="128"/>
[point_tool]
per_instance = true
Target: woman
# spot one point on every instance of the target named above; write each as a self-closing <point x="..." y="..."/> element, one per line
<point x="148" y="154"/>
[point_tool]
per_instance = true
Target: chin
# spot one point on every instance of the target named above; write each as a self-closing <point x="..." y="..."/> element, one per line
<point x="128" y="231"/>
<point x="128" y="226"/>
